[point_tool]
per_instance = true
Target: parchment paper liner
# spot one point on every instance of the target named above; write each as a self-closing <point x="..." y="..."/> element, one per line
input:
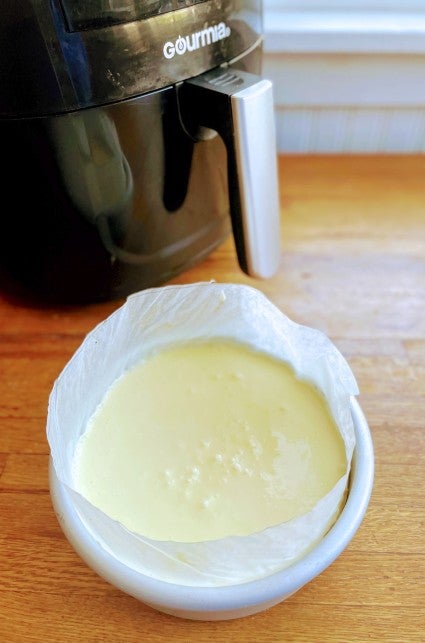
<point x="158" y="317"/>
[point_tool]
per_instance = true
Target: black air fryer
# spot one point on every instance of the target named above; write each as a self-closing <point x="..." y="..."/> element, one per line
<point x="135" y="134"/>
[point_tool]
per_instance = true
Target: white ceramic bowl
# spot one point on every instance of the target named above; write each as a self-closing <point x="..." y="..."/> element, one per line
<point x="219" y="603"/>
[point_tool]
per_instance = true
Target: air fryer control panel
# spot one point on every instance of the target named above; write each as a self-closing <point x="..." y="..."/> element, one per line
<point x="81" y="15"/>
<point x="60" y="56"/>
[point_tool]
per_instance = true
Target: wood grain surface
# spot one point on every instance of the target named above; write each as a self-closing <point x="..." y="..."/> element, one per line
<point x="353" y="266"/>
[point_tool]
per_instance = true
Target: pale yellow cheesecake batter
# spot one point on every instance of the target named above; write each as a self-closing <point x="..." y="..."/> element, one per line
<point x="206" y="440"/>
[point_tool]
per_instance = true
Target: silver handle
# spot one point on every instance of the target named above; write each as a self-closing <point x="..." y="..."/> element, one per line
<point x="239" y="106"/>
<point x="256" y="159"/>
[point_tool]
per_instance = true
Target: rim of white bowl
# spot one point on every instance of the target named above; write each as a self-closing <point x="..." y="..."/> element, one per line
<point x="173" y="597"/>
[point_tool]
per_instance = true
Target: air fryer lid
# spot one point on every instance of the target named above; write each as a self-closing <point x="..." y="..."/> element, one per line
<point x="63" y="55"/>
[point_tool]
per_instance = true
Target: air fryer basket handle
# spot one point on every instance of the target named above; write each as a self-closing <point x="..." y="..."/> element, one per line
<point x="239" y="106"/>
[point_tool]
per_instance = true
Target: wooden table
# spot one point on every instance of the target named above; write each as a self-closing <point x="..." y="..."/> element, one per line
<point x="353" y="265"/>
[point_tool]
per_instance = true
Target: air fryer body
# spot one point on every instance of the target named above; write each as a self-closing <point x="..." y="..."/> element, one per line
<point x="108" y="191"/>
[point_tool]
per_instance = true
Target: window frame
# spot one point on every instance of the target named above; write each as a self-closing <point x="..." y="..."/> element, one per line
<point x="344" y="26"/>
<point x="345" y="5"/>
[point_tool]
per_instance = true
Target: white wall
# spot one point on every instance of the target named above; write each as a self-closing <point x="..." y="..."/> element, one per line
<point x="348" y="76"/>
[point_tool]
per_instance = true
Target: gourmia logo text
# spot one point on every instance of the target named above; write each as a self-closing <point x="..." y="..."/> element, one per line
<point x="196" y="40"/>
